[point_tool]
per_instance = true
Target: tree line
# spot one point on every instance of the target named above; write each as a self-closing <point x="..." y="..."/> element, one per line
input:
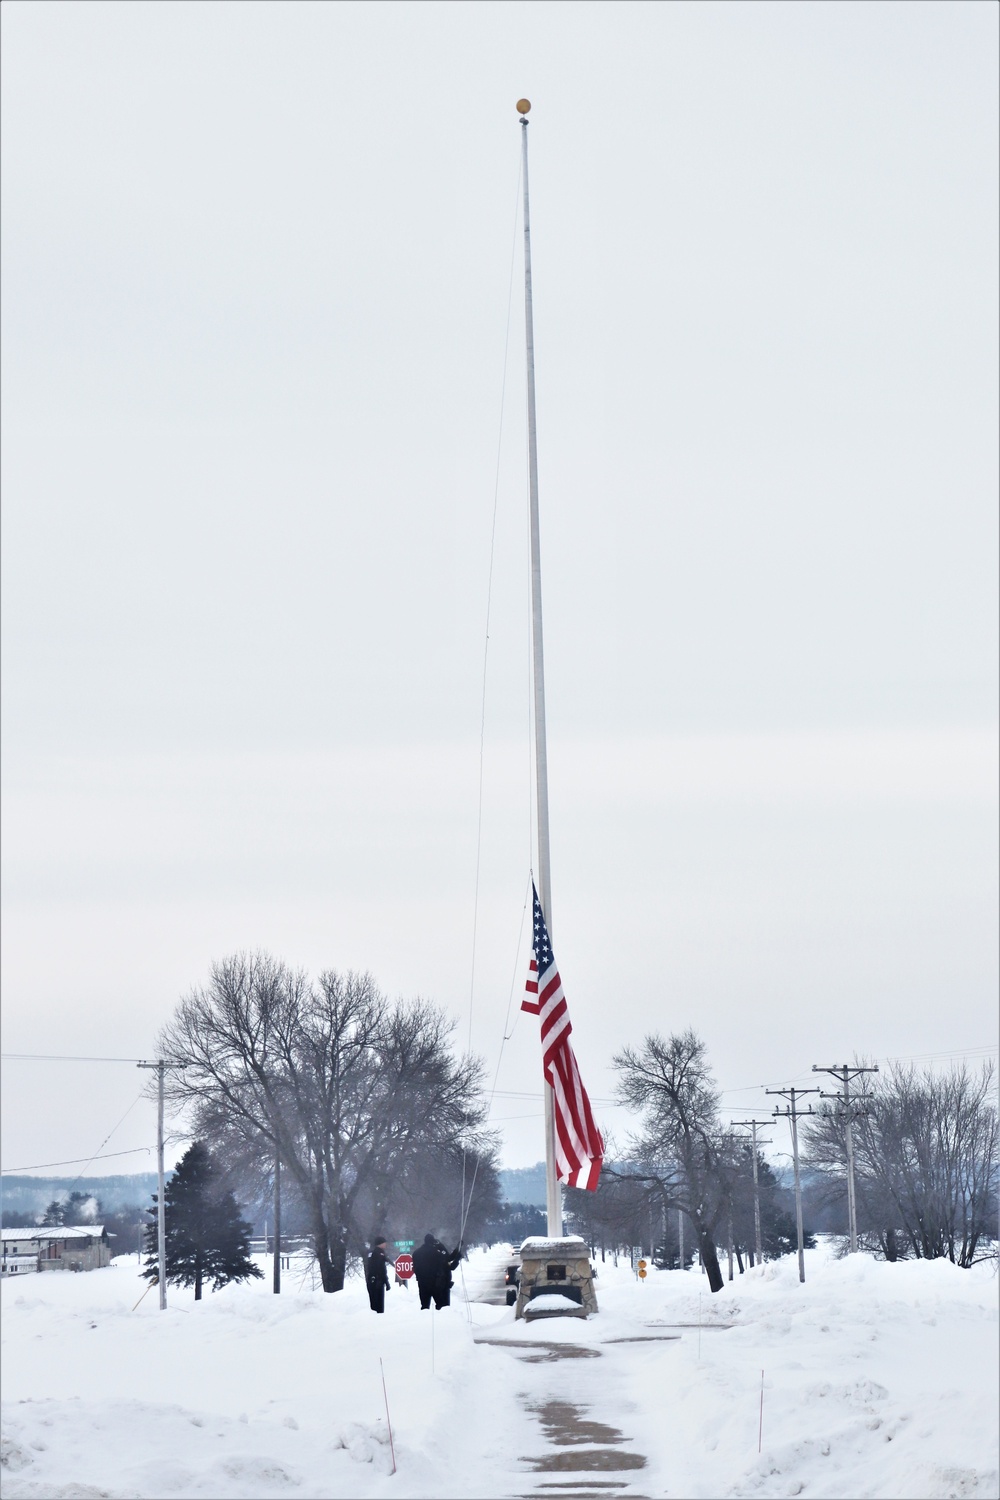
<point x="376" y="1122"/>
<point x="925" y="1150"/>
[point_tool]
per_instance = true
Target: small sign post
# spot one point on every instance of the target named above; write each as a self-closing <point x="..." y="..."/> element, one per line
<point x="642" y="1270"/>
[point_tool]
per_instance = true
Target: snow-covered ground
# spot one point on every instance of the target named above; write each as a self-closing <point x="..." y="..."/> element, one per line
<point x="878" y="1381"/>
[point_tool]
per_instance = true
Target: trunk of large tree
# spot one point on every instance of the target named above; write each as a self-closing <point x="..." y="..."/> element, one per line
<point x="328" y="1271"/>
<point x="710" y="1261"/>
<point x="331" y="1256"/>
<point x="197" y="1285"/>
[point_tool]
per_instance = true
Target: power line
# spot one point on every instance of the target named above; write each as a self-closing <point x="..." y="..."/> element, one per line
<point x="958" y="1052"/>
<point x="988" y="1050"/>
<point x="59" y="1057"/>
<point x="76" y="1160"/>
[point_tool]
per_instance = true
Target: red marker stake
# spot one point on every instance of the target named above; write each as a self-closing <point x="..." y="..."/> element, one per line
<point x="388" y="1423"/>
<point x="760" y="1427"/>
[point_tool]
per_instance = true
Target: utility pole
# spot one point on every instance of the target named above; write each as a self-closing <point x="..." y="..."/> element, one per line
<point x="680" y="1237"/>
<point x="758" y="1243"/>
<point x="793" y="1114"/>
<point x="161" y="1221"/>
<point x="846" y="1076"/>
<point x="277" y="1222"/>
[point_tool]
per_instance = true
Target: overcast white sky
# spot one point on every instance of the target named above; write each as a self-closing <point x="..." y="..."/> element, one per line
<point x="256" y="262"/>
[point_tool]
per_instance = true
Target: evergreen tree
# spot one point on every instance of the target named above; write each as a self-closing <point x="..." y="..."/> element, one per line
<point x="78" y="1208"/>
<point x="205" y="1235"/>
<point x="83" y="1208"/>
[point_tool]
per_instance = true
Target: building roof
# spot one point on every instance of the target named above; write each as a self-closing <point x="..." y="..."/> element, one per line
<point x="54" y="1232"/>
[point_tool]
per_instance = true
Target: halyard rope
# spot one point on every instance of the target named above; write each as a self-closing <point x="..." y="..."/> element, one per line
<point x="482" y="717"/>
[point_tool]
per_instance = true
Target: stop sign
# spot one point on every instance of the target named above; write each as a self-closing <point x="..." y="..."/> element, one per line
<point x="404" y="1266"/>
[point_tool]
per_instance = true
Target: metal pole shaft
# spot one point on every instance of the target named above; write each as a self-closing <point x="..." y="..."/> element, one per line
<point x="798" y="1189"/>
<point x="756" y="1201"/>
<point x="553" y="1195"/>
<point x="852" y="1213"/>
<point x="277" y="1223"/>
<point x="161" y="1219"/>
<point x="680" y="1238"/>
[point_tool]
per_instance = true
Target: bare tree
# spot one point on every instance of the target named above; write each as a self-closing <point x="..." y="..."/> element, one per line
<point x="683" y="1151"/>
<point x="622" y="1213"/>
<point x="926" y="1160"/>
<point x="345" y="1087"/>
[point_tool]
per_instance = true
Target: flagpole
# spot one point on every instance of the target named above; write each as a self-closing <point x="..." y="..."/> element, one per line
<point x="553" y="1194"/>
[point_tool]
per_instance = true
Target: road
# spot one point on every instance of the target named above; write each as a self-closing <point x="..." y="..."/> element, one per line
<point x="486" y="1283"/>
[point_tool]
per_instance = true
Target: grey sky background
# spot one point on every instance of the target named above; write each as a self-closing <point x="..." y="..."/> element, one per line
<point x="256" y="263"/>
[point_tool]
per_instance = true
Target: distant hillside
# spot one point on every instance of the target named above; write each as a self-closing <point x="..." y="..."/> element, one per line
<point x="32" y="1195"/>
<point x="524" y="1184"/>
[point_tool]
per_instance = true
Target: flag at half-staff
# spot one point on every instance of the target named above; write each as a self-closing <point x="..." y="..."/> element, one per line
<point x="579" y="1147"/>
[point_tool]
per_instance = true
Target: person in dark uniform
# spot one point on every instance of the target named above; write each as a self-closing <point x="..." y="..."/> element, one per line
<point x="428" y="1260"/>
<point x="445" y="1281"/>
<point x="377" y="1274"/>
<point x="432" y="1266"/>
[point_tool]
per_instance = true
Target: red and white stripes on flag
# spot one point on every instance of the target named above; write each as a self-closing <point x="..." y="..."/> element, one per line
<point x="579" y="1147"/>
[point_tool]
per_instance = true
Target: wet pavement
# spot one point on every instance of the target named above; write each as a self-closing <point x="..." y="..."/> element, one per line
<point x="580" y="1446"/>
<point x="542" y="1353"/>
<point x="577" y="1445"/>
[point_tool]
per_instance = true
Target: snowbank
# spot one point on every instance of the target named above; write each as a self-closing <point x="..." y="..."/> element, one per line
<point x="878" y="1381"/>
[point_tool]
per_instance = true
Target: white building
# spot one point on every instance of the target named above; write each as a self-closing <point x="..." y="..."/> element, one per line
<point x="77" y="1247"/>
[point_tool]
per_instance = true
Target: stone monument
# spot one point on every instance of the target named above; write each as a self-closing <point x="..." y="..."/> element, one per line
<point x="557" y="1269"/>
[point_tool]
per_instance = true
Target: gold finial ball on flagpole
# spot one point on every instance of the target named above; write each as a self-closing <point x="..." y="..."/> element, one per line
<point x="523" y="105"/>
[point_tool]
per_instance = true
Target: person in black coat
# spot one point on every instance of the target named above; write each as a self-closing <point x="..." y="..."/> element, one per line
<point x="377" y="1275"/>
<point x="432" y="1266"/>
<point x="445" y="1282"/>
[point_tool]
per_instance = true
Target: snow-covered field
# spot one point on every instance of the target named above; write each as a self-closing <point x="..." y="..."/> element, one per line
<point x="878" y="1381"/>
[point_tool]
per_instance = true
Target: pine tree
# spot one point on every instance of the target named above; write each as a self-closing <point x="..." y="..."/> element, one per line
<point x="205" y="1235"/>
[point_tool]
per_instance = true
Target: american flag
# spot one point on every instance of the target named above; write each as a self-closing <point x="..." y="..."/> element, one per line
<point x="579" y="1147"/>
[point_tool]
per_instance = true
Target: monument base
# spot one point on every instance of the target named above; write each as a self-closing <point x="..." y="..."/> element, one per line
<point x="559" y="1270"/>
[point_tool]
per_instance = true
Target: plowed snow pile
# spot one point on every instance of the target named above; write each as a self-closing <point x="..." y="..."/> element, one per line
<point x="878" y="1381"/>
